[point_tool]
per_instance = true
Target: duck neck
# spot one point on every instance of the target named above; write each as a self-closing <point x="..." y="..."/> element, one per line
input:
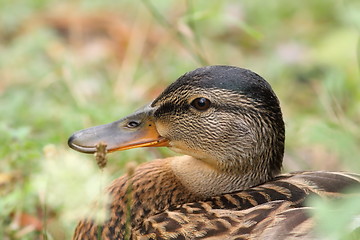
<point x="205" y="180"/>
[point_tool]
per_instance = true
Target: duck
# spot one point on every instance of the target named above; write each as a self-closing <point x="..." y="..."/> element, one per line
<point x="227" y="125"/>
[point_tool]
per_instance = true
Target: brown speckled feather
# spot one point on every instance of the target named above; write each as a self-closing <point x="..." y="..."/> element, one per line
<point x="165" y="210"/>
<point x="272" y="209"/>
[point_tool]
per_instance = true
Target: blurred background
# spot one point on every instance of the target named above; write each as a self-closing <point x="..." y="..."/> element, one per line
<point x="69" y="65"/>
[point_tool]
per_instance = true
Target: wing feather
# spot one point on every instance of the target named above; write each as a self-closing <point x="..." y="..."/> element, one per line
<point x="274" y="210"/>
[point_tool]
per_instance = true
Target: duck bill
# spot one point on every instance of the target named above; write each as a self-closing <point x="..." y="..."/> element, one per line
<point x="136" y="130"/>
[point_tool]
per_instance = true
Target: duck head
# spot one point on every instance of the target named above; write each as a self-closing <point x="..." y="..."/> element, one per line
<point x="225" y="116"/>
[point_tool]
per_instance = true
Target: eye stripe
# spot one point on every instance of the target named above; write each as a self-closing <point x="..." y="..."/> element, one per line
<point x="169" y="107"/>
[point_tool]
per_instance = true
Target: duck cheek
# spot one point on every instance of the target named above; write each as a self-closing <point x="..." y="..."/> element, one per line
<point x="170" y="131"/>
<point x="163" y="129"/>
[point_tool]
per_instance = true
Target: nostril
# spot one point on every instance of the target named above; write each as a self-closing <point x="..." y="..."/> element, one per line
<point x="133" y="124"/>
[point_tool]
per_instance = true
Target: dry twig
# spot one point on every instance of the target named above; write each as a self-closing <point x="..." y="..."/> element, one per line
<point x="100" y="155"/>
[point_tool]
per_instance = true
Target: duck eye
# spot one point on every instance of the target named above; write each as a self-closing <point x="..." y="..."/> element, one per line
<point x="201" y="104"/>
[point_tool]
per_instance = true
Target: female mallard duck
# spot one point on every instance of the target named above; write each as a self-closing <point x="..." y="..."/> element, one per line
<point x="228" y="123"/>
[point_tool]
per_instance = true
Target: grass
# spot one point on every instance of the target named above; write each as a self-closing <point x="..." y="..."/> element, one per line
<point x="67" y="65"/>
